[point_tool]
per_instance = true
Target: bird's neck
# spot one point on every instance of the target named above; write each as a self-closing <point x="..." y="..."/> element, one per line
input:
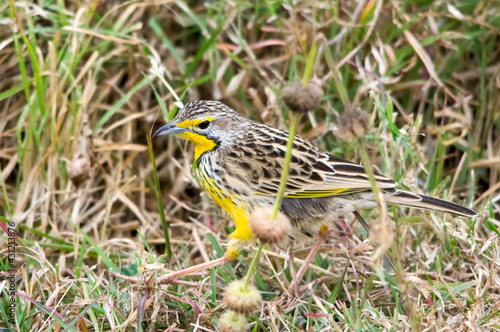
<point x="203" y="144"/>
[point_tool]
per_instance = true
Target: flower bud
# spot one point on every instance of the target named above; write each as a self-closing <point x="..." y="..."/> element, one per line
<point x="242" y="299"/>
<point x="231" y="321"/>
<point x="267" y="230"/>
<point x="302" y="99"/>
<point x="79" y="170"/>
<point x="353" y="124"/>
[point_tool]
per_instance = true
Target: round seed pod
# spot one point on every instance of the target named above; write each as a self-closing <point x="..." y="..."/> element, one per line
<point x="231" y="321"/>
<point x="241" y="299"/>
<point x="79" y="170"/>
<point x="353" y="124"/>
<point x="267" y="230"/>
<point x="299" y="98"/>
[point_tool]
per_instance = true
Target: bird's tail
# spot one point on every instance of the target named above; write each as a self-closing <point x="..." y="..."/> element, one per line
<point x="406" y="198"/>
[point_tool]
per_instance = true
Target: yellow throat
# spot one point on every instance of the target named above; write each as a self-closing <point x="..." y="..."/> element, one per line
<point x="202" y="143"/>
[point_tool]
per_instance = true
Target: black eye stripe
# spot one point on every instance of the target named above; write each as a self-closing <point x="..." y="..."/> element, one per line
<point x="204" y="125"/>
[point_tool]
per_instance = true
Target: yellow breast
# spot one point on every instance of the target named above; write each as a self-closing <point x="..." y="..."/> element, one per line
<point x="229" y="202"/>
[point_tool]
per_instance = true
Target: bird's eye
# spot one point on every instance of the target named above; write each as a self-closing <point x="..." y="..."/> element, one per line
<point x="204" y="125"/>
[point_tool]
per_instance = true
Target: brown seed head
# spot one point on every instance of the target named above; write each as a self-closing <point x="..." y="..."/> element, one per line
<point x="302" y="99"/>
<point x="79" y="170"/>
<point x="241" y="299"/>
<point x="267" y="230"/>
<point x="231" y="321"/>
<point x="353" y="124"/>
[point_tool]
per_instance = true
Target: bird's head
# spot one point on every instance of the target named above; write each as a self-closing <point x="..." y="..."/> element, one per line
<point x="206" y="123"/>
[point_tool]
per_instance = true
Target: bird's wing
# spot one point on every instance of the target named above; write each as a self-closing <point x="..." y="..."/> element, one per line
<point x="256" y="161"/>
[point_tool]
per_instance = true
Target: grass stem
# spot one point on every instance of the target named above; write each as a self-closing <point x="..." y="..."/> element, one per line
<point x="253" y="265"/>
<point x="164" y="223"/>
<point x="286" y="166"/>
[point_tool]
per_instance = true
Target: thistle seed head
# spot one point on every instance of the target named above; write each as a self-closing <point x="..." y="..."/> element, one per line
<point x="353" y="124"/>
<point x="241" y="299"/>
<point x="299" y="98"/>
<point x="79" y="170"/>
<point x="267" y="230"/>
<point x="231" y="321"/>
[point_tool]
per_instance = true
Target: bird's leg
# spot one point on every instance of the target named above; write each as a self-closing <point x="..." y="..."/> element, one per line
<point x="194" y="269"/>
<point x="293" y="288"/>
<point x="362" y="222"/>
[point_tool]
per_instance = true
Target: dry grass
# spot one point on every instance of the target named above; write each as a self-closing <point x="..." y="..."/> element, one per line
<point x="82" y="85"/>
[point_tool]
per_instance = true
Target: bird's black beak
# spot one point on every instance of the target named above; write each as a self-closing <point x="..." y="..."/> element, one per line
<point x="168" y="129"/>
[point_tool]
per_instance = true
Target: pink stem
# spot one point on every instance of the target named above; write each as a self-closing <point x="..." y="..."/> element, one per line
<point x="293" y="289"/>
<point x="193" y="269"/>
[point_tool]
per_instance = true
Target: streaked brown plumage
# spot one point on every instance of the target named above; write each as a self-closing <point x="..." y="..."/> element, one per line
<point x="240" y="163"/>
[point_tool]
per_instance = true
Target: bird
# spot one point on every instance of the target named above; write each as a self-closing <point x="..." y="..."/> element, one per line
<point x="239" y="162"/>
